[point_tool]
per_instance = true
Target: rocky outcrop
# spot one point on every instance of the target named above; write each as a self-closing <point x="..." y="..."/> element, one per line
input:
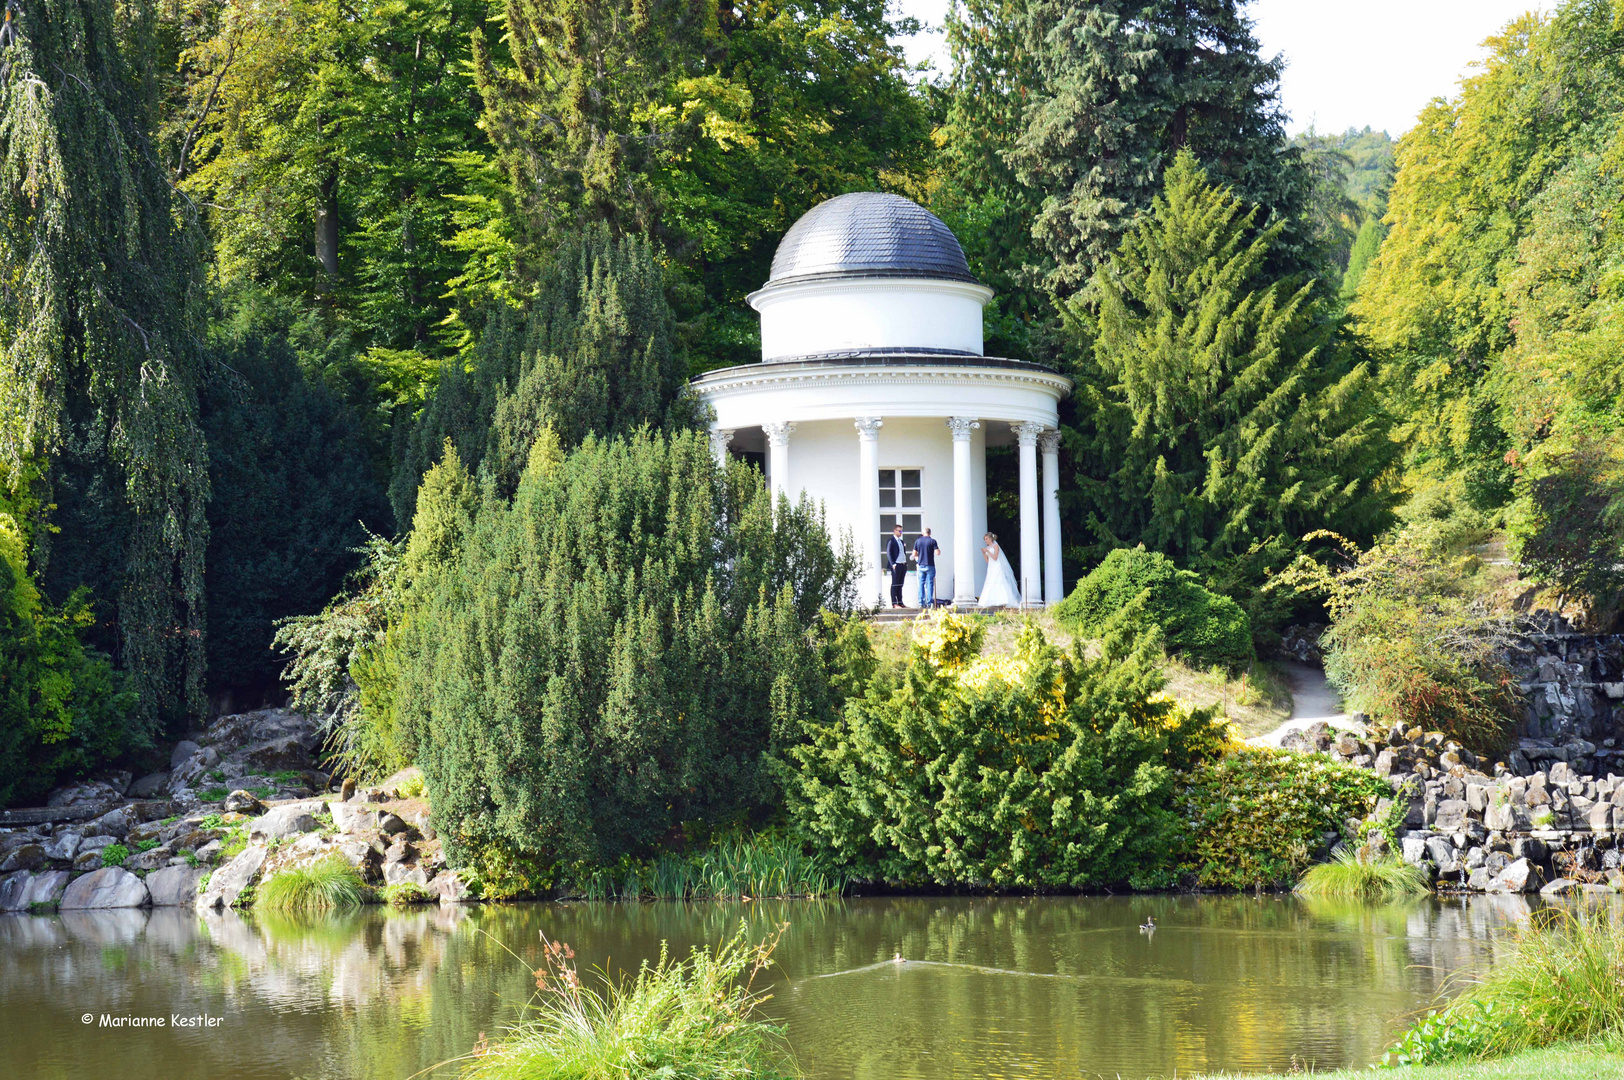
<point x="109" y="887"/>
<point x="174" y="886"/>
<point x="227" y="883"/>
<point x="20" y="890"/>
<point x="1478" y="825"/>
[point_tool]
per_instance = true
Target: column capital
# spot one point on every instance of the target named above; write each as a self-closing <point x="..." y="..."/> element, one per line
<point x="1049" y="441"/>
<point x="1027" y="433"/>
<point x="720" y="439"/>
<point x="868" y="427"/>
<point x="961" y="426"/>
<point x="778" y="434"/>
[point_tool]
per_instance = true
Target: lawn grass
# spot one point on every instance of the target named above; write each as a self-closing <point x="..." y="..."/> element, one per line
<point x="1573" y="1062"/>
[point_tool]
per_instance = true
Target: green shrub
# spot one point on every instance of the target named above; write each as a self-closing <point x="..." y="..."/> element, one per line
<point x="1255" y="817"/>
<point x="145" y="845"/>
<point x="43" y="907"/>
<point x="114" y="855"/>
<point x="1409" y="644"/>
<point x="406" y="892"/>
<point x="1040" y="769"/>
<point x="1349" y="877"/>
<point x="1206" y="629"/>
<point x="693" y="1018"/>
<point x="618" y="651"/>
<point x="1562" y="982"/>
<point x="324" y="885"/>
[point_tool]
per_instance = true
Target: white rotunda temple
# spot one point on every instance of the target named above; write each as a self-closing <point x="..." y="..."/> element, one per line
<point x="873" y="396"/>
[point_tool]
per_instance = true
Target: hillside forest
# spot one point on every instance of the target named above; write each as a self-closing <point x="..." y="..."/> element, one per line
<point x="343" y="353"/>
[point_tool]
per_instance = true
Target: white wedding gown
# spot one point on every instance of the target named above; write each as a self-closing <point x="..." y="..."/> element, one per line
<point x="1000" y="589"/>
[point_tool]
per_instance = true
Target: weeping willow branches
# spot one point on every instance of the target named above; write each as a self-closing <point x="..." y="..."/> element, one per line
<point x="98" y="358"/>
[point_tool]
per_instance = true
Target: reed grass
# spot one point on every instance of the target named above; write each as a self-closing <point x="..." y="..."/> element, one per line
<point x="1347" y="877"/>
<point x="757" y="866"/>
<point x="326" y="885"/>
<point x="1562" y="982"/>
<point x="693" y="1018"/>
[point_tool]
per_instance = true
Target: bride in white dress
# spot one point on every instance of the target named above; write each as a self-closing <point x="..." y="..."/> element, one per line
<point x="999" y="589"/>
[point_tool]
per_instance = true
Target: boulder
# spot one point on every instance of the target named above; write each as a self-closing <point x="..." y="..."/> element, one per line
<point x="392" y="825"/>
<point x="363" y="856"/>
<point x="1451" y="815"/>
<point x="151" y="859"/>
<point x="1477" y="798"/>
<point x="242" y="802"/>
<point x="43" y="888"/>
<point x="1560" y="887"/>
<point x="400" y="873"/>
<point x="109" y="887"/>
<point x="150" y="785"/>
<point x="174" y="886"/>
<point x="293" y="819"/>
<point x="351" y="818"/>
<point x="209" y="851"/>
<point x="1385" y="763"/>
<point x="114" y="823"/>
<point x="27" y="857"/>
<point x="182" y="753"/>
<point x="1440" y="851"/>
<point x="1600" y="817"/>
<point x="1519" y="877"/>
<point x="227" y="883"/>
<point x="97" y="794"/>
<point x="451" y="888"/>
<point x="154" y="809"/>
<point x="1500" y="818"/>
<point x="1414" y="850"/>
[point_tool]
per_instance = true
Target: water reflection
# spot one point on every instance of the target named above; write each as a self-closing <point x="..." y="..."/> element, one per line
<point x="989" y="988"/>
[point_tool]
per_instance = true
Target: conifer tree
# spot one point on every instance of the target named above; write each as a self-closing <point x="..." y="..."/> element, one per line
<point x="1122" y="86"/>
<point x="98" y="356"/>
<point x="596" y="353"/>
<point x="1227" y="411"/>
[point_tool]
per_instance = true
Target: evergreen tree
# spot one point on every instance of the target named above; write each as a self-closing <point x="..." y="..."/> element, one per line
<point x="1122" y="86"/>
<point x="597" y="352"/>
<point x="1227" y="410"/>
<point x="98" y="353"/>
<point x="294" y="496"/>
<point x="617" y="651"/>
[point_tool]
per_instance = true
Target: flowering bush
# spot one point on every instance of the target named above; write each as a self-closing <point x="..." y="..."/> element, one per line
<point x="1256" y="816"/>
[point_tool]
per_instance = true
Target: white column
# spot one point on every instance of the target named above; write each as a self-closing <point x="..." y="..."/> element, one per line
<point x="778" y="458"/>
<point x="1054" y="586"/>
<point x="964" y="541"/>
<point x="1031" y="580"/>
<point x="719" y="439"/>
<point x="868" y="502"/>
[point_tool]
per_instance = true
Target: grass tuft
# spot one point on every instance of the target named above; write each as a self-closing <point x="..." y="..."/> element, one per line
<point x="1563" y="982"/>
<point x="326" y="885"/>
<point x="758" y="866"/>
<point x="693" y="1018"/>
<point x="407" y="892"/>
<point x="1347" y="877"/>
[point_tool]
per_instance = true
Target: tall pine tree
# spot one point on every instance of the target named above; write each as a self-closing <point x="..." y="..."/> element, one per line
<point x="1121" y="87"/>
<point x="98" y="355"/>
<point x="1227" y="409"/>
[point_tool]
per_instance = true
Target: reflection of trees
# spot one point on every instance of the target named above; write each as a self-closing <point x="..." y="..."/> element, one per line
<point x="1041" y="986"/>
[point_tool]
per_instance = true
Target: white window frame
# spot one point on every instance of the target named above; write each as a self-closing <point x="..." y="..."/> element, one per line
<point x="889" y="514"/>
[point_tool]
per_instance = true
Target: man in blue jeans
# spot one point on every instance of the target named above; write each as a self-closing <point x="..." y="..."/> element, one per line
<point x="925" y="549"/>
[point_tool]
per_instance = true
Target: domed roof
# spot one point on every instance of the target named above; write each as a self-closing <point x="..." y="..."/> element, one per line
<point x="866" y="234"/>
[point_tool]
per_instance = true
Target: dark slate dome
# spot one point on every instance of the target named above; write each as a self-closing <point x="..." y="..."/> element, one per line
<point x="868" y="234"/>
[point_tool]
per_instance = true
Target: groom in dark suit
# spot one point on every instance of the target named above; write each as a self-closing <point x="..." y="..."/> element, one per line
<point x="897" y="555"/>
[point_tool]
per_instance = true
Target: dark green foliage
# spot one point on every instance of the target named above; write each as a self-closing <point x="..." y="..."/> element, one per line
<point x="617" y="651"/>
<point x="1121" y="88"/>
<point x="1047" y="769"/>
<point x="1206" y="629"/>
<point x="98" y="348"/>
<point x="1225" y="408"/>
<point x="62" y="709"/>
<point x="294" y="496"/>
<point x="1257" y="816"/>
<point x="597" y="352"/>
<point x="1567" y="525"/>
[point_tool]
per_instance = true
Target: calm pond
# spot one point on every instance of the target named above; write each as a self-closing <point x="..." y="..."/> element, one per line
<point x="1052" y="987"/>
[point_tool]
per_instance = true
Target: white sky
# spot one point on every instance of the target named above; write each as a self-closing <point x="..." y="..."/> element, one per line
<point x="1348" y="62"/>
